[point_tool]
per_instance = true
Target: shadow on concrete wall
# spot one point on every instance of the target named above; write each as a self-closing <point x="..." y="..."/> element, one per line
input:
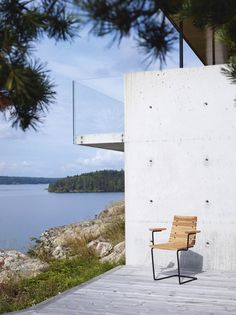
<point x="191" y="263"/>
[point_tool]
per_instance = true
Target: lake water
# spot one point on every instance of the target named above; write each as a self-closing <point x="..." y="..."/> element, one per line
<point x="28" y="210"/>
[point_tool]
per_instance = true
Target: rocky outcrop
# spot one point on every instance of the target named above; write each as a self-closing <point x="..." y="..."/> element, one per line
<point x="14" y="264"/>
<point x="92" y="236"/>
<point x="58" y="242"/>
<point x="117" y="254"/>
<point x="101" y="249"/>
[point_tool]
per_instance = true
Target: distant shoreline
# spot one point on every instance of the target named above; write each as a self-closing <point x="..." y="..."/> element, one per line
<point x="20" y="180"/>
<point x="1" y="184"/>
<point x="84" y="192"/>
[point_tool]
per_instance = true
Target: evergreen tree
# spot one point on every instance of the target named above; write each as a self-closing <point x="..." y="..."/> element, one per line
<point x="26" y="90"/>
<point x="146" y="21"/>
<point x="99" y="181"/>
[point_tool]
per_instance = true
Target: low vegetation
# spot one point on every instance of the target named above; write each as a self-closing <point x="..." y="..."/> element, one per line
<point x="60" y="276"/>
<point x="82" y="263"/>
<point x="77" y="246"/>
<point x="99" y="181"/>
<point x="114" y="232"/>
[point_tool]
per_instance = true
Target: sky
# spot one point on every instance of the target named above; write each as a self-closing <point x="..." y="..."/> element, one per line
<point x="97" y="70"/>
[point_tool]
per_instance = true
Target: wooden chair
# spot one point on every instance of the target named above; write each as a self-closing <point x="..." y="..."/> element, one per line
<point x="182" y="237"/>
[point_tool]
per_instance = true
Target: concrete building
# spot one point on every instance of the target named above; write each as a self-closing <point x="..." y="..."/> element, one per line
<point x="180" y="148"/>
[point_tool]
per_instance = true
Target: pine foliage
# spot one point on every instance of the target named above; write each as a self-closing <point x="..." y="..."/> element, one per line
<point x="143" y="20"/>
<point x="146" y="21"/>
<point x="26" y="90"/>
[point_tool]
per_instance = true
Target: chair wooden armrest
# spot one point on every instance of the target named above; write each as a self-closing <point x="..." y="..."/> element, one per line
<point x="189" y="235"/>
<point x="157" y="229"/>
<point x="192" y="232"/>
<point x="153" y="230"/>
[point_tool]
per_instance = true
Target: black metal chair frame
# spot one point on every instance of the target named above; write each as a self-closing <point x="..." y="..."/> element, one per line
<point x="178" y="264"/>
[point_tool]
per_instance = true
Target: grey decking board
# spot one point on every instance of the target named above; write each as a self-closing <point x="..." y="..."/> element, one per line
<point x="170" y="290"/>
<point x="173" y="298"/>
<point x="170" y="300"/>
<point x="131" y="291"/>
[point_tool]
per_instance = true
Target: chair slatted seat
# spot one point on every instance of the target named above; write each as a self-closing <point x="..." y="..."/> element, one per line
<point x="182" y="237"/>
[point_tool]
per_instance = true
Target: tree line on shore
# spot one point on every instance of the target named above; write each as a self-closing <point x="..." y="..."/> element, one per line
<point x="17" y="180"/>
<point x="99" y="181"/>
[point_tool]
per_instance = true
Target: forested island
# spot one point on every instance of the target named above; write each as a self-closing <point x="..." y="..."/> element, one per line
<point x="17" y="180"/>
<point x="99" y="181"/>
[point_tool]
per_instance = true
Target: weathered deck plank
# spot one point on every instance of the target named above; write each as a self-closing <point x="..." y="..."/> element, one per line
<point x="131" y="291"/>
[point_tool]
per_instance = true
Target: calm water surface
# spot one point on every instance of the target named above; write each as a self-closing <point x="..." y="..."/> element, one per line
<point x="27" y="210"/>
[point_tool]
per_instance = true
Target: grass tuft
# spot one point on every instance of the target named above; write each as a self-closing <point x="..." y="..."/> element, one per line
<point x="60" y="276"/>
<point x="114" y="232"/>
<point x="77" y="246"/>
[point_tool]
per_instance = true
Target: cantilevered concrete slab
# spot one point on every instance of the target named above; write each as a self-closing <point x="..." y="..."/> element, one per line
<point x="109" y="141"/>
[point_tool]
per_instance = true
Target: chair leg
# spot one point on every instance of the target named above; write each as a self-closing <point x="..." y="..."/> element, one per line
<point x="153" y="266"/>
<point x="179" y="274"/>
<point x="171" y="276"/>
<point x="153" y="270"/>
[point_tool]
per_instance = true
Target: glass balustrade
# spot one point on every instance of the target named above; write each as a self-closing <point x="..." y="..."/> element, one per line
<point x="98" y="107"/>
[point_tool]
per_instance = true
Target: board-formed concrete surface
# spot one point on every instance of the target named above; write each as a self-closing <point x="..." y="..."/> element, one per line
<point x="180" y="148"/>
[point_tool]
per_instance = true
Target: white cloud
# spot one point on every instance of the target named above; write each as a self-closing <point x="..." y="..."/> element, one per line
<point x="102" y="159"/>
<point x="25" y="164"/>
<point x="6" y="167"/>
<point x="14" y="169"/>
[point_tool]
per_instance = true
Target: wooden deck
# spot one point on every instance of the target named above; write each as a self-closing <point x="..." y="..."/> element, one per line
<point x="131" y="291"/>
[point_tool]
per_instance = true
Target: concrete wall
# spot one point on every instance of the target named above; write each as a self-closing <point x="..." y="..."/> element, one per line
<point x="180" y="158"/>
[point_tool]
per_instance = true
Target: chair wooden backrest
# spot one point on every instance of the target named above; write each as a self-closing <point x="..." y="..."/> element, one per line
<point x="180" y="225"/>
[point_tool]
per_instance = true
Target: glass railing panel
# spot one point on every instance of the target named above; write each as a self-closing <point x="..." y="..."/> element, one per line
<point x="98" y="106"/>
